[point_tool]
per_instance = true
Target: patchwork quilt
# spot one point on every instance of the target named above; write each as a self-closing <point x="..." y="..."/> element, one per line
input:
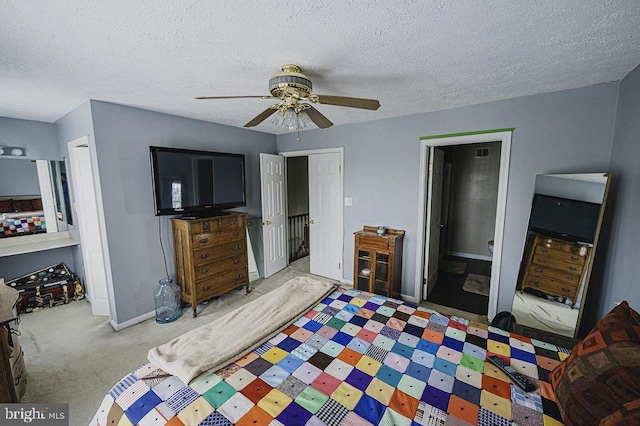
<point x="356" y="358"/>
<point x="21" y="225"/>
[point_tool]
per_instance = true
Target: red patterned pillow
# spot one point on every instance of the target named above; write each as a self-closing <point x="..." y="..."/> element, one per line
<point x="600" y="380"/>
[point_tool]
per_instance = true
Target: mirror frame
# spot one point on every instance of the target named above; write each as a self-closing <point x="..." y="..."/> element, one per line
<point x="588" y="265"/>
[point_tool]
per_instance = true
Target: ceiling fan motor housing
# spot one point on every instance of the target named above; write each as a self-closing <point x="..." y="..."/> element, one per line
<point x="290" y="82"/>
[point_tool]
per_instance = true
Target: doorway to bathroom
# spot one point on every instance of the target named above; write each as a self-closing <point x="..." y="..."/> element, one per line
<point x="467" y="203"/>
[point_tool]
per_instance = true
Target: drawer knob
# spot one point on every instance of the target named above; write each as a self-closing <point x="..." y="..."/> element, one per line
<point x="238" y="276"/>
<point x="206" y="226"/>
<point x="203" y="240"/>
<point x="236" y="247"/>
<point x="566" y="290"/>
<point x="204" y="256"/>
<point x="235" y="234"/>
<point x="205" y="288"/>
<point x="538" y="269"/>
<point x="204" y="271"/>
<point x="236" y="261"/>
<point x="573" y="268"/>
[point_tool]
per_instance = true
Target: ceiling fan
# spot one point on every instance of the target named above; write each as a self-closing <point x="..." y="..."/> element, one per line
<point x="294" y="90"/>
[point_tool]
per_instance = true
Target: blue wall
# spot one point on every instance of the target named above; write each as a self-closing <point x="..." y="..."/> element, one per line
<point x="618" y="279"/>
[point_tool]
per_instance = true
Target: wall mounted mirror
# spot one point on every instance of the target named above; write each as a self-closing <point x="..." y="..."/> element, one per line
<point x="562" y="236"/>
<point x="33" y="191"/>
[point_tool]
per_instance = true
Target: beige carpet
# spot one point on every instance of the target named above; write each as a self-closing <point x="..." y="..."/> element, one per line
<point x="478" y="284"/>
<point x="74" y="357"/>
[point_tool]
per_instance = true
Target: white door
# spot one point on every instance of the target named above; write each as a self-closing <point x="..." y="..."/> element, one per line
<point x="274" y="217"/>
<point x="434" y="219"/>
<point x="325" y="215"/>
<point x="87" y="213"/>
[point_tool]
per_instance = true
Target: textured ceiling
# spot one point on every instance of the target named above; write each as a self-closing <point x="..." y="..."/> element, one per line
<point x="414" y="56"/>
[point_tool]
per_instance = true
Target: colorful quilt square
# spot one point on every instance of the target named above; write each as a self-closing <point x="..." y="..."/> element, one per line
<point x="274" y="402"/>
<point x="347" y="395"/>
<point x="418" y="371"/>
<point x="326" y="383"/>
<point x="274" y="376"/>
<point x="464" y="410"/>
<point x="359" y="345"/>
<point x="292" y="386"/>
<point x="403" y="404"/>
<point x="442" y="381"/>
<point x="445" y="366"/>
<point x="412" y="386"/>
<point x="467" y="392"/>
<point x="436" y="397"/>
<point x="358" y="379"/>
<point x="219" y="394"/>
<point x="240" y="379"/>
<point x="396" y="361"/>
<point x="195" y="412"/>
<point x="332" y="348"/>
<point x="389" y="375"/>
<point x="142" y="406"/>
<point x="349" y="356"/>
<point x="294" y="415"/>
<point x="402" y="350"/>
<point x="380" y="391"/>
<point x="370" y="409"/>
<point x="236" y="407"/>
<point x="288" y="344"/>
<point x="423" y="358"/>
<point x="338" y="369"/>
<point x="332" y="413"/>
<point x="307" y="373"/>
<point x="256" y="390"/>
<point x="311" y="399"/>
<point x="304" y="351"/>
<point x="368" y="365"/>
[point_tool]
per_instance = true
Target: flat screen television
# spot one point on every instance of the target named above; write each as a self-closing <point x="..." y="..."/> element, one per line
<point x="565" y="218"/>
<point x="196" y="183"/>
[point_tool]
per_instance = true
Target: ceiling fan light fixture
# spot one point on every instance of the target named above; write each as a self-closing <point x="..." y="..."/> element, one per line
<point x="291" y="120"/>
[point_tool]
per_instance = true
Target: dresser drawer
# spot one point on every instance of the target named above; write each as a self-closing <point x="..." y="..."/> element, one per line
<point x="219" y="251"/>
<point x="205" y="226"/>
<point x="552" y="287"/>
<point x="372" y="242"/>
<point x="221" y="283"/>
<point x="206" y="240"/>
<point x="555" y="274"/>
<point x="231" y="223"/>
<point x="561" y="255"/>
<point x="209" y="269"/>
<point x="573" y="268"/>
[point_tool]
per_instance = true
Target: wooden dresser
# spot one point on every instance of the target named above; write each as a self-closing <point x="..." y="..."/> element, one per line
<point x="378" y="261"/>
<point x="556" y="267"/>
<point x="211" y="256"/>
<point x="13" y="376"/>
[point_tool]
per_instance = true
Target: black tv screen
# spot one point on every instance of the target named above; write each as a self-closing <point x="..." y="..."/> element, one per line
<point x="562" y="217"/>
<point x="198" y="183"/>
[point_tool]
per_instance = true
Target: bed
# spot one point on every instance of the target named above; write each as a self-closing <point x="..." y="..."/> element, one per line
<point x="21" y="215"/>
<point x="354" y="358"/>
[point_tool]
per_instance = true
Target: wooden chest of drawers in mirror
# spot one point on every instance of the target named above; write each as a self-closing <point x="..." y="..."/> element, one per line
<point x="556" y="267"/>
<point x="211" y="256"/>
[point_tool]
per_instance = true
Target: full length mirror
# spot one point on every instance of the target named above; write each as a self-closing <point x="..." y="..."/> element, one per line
<point x="562" y="235"/>
<point x="34" y="197"/>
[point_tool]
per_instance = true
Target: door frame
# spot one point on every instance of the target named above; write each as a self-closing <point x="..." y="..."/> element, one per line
<point x="500" y="135"/>
<point x="82" y="142"/>
<point x="306" y="153"/>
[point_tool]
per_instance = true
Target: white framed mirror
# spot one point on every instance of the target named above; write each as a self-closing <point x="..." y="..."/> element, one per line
<point x="560" y="247"/>
<point x="34" y="202"/>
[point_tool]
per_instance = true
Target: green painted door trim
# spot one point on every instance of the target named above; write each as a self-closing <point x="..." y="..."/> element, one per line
<point x="478" y="132"/>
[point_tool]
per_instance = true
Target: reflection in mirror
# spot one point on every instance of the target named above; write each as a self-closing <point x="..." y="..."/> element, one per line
<point x="564" y="223"/>
<point x="33" y="197"/>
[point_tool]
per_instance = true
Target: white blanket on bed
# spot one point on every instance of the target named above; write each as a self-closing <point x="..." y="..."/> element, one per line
<point x="214" y="345"/>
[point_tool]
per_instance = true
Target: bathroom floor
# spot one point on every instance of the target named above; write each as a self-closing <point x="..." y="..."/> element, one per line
<point x="448" y="290"/>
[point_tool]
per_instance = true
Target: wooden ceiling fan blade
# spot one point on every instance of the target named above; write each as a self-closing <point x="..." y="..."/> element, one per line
<point x="316" y="116"/>
<point x="344" y="101"/>
<point x="233" y="97"/>
<point x="261" y="117"/>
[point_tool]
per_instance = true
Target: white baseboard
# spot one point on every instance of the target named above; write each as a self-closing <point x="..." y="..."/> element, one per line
<point x="471" y="256"/>
<point x="133" y="321"/>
